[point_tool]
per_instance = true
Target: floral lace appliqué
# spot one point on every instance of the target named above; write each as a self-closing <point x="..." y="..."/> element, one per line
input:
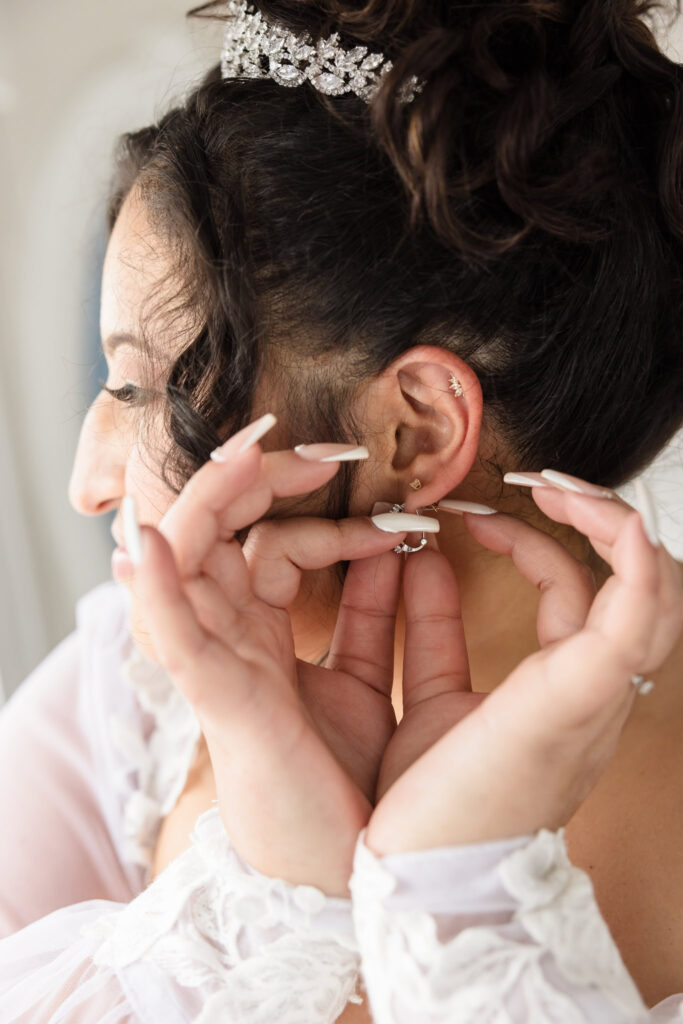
<point x="162" y="759"/>
<point x="260" y="948"/>
<point x="492" y="974"/>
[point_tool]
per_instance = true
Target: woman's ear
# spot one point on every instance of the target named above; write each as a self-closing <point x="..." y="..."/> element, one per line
<point x="427" y="409"/>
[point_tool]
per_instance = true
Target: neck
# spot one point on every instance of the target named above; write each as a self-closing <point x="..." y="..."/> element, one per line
<point x="499" y="605"/>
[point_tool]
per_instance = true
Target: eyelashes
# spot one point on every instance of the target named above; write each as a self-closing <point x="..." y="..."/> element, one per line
<point x="130" y="393"/>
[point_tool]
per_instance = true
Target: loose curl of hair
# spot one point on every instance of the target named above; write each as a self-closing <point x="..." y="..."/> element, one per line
<point x="525" y="211"/>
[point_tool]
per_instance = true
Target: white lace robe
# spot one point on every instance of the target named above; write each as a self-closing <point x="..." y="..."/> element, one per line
<point x="94" y="751"/>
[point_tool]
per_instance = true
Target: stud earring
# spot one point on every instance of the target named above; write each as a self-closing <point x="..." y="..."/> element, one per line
<point x="455" y="385"/>
<point x="415" y="484"/>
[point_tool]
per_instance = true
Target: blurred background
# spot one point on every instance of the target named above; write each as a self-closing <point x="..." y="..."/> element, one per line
<point x="74" y="74"/>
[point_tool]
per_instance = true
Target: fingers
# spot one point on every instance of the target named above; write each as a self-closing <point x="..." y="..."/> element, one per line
<point x="363" y="641"/>
<point x="631" y="625"/>
<point x="566" y="584"/>
<point x="638" y="613"/>
<point x="177" y="636"/>
<point x="278" y="551"/>
<point x="223" y="497"/>
<point x="205" y="645"/>
<point x="435" y="659"/>
<point x="626" y="548"/>
<point x="599" y="519"/>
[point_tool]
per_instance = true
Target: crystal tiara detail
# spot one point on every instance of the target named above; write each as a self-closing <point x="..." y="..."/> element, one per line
<point x="255" y="48"/>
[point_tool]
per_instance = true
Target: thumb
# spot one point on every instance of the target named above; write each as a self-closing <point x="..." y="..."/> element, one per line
<point x="435" y="659"/>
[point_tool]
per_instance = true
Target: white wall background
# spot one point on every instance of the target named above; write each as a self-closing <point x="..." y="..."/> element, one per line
<point x="73" y="75"/>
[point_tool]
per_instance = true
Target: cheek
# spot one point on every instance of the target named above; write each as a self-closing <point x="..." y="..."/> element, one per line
<point x="153" y="499"/>
<point x="143" y="481"/>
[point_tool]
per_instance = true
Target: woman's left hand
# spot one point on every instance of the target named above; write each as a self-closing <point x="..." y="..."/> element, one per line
<point x="466" y="767"/>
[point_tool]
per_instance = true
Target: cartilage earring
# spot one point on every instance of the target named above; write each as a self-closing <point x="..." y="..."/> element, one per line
<point x="455" y="385"/>
<point x="415" y="484"/>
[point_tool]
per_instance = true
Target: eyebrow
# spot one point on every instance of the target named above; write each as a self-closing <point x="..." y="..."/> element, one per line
<point x="114" y="340"/>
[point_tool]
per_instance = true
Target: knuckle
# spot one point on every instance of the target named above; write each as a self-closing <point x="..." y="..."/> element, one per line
<point x="263" y="539"/>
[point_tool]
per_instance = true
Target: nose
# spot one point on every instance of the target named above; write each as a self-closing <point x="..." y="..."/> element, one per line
<point x="98" y="476"/>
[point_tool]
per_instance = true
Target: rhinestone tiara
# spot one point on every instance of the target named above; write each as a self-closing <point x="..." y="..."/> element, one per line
<point x="255" y="48"/>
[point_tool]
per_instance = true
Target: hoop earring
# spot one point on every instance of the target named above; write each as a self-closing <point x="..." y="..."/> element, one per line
<point x="403" y="548"/>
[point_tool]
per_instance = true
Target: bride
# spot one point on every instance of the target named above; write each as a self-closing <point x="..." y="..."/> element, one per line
<point x="384" y="269"/>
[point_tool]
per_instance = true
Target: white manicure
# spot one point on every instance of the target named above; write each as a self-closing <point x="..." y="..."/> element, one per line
<point x="131" y="529"/>
<point x="404" y="522"/>
<point x="450" y="505"/>
<point x="356" y="455"/>
<point x="564" y="483"/>
<point x="331" y="452"/>
<point x="261" y="427"/>
<point x="648" y="513"/>
<point x="524" y="481"/>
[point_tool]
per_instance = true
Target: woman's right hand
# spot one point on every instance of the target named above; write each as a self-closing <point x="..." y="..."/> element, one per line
<point x="295" y="748"/>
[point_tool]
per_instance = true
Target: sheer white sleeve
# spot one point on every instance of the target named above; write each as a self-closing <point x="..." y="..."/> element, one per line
<point x="210" y="941"/>
<point x="503" y="932"/>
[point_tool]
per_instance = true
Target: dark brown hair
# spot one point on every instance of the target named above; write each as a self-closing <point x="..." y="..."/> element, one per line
<point x="524" y="211"/>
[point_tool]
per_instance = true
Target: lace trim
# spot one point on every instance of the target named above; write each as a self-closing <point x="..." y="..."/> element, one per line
<point x="479" y="974"/>
<point x="559" y="910"/>
<point x="162" y="760"/>
<point x="263" y="949"/>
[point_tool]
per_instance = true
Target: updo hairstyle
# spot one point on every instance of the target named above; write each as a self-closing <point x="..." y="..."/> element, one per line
<point x="524" y="211"/>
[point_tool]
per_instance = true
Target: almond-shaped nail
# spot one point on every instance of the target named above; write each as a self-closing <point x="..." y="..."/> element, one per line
<point x="403" y="522"/>
<point x="451" y="505"/>
<point x="331" y="452"/>
<point x="526" y="479"/>
<point x="244" y="438"/>
<point x="131" y="529"/>
<point x="573" y="483"/>
<point x="648" y="512"/>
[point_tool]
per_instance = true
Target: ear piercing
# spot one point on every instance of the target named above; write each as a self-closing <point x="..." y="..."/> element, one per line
<point x="455" y="385"/>
<point x="642" y="685"/>
<point x="403" y="548"/>
<point x="415" y="484"/>
<point x="399" y="521"/>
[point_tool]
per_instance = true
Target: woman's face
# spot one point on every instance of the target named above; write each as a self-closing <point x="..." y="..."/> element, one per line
<point x="123" y="440"/>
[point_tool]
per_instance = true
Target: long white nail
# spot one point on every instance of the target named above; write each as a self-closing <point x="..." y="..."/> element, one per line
<point x="331" y="452"/>
<point x="261" y="427"/>
<point x="404" y="522"/>
<point x="567" y="483"/>
<point x="525" y="479"/>
<point x="249" y="435"/>
<point x="648" y="512"/>
<point x="450" y="505"/>
<point x="131" y="529"/>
